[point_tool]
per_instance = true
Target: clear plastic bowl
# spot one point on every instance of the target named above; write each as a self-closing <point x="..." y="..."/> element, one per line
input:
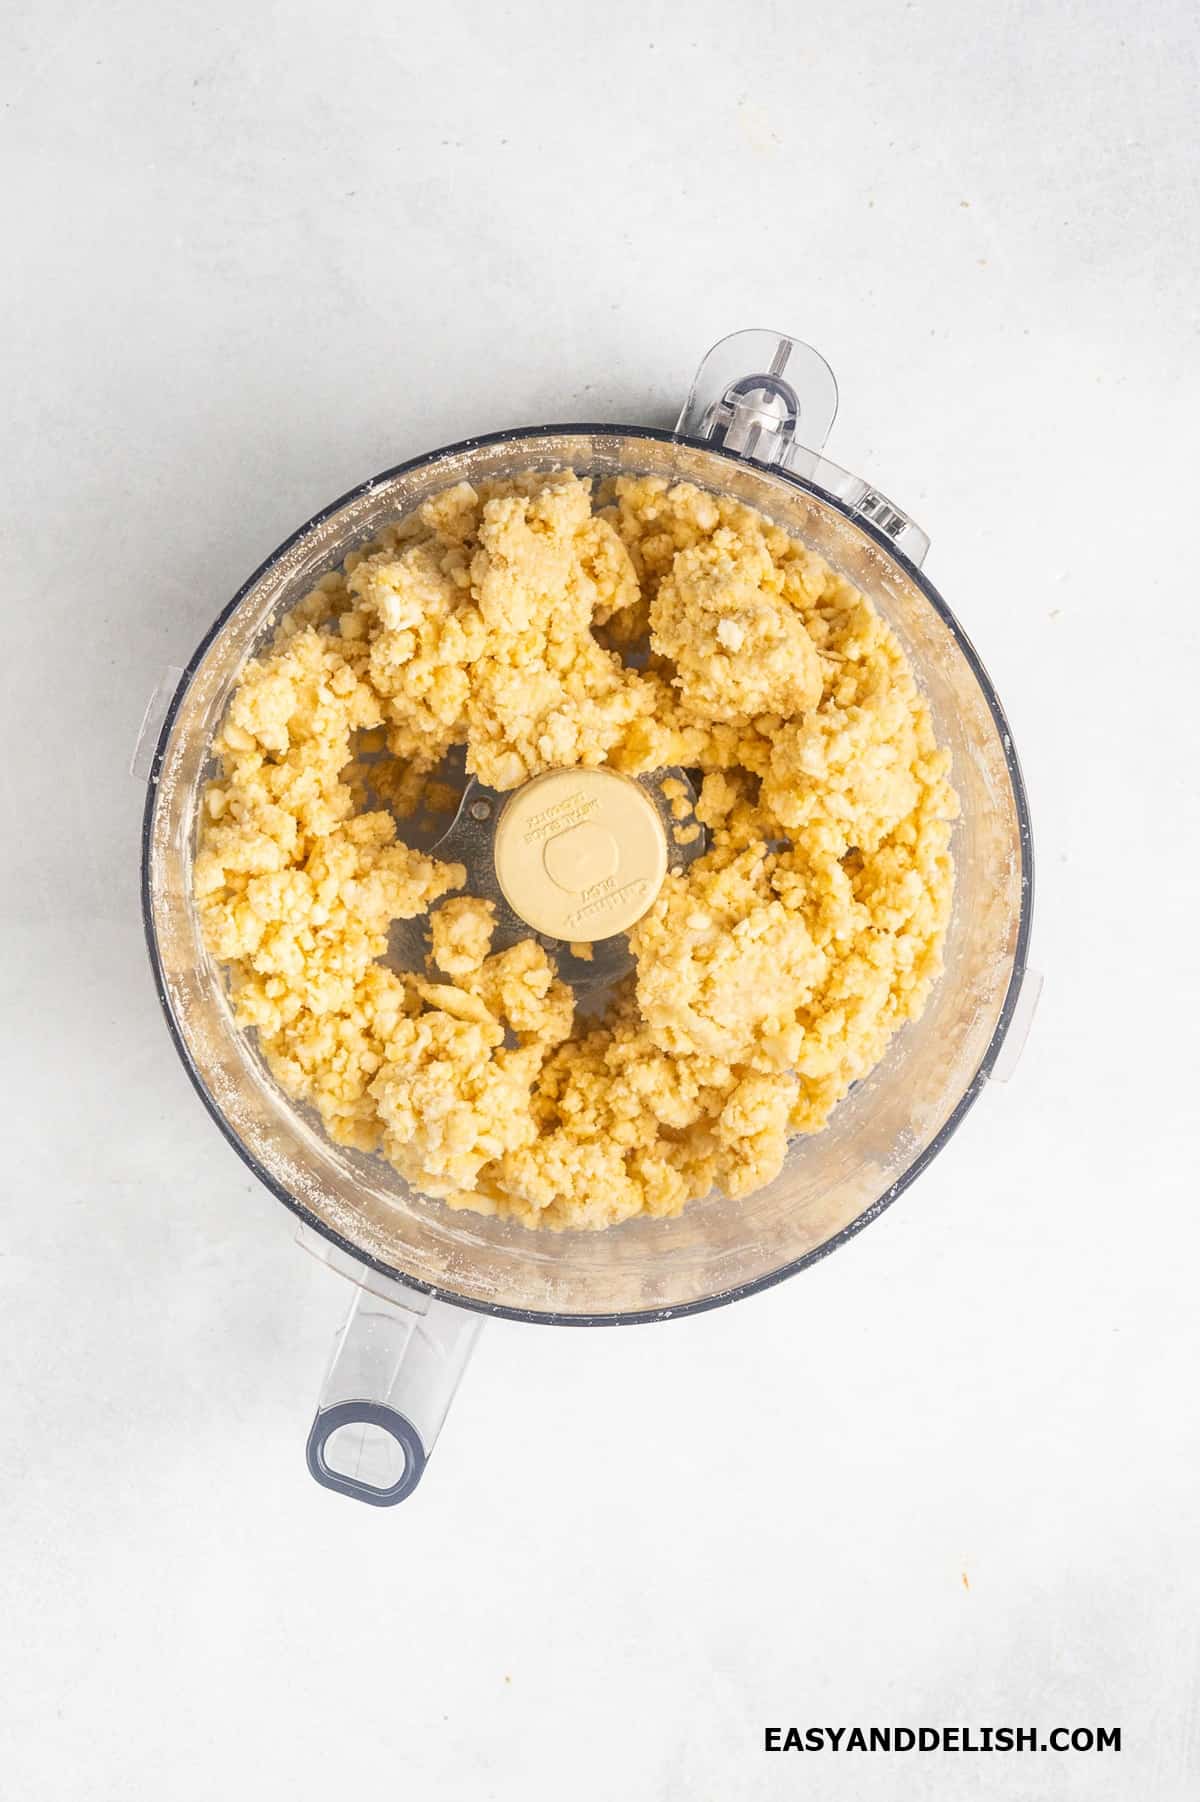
<point x="880" y="1137"/>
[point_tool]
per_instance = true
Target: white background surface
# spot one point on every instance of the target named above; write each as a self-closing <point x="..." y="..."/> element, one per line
<point x="951" y="1474"/>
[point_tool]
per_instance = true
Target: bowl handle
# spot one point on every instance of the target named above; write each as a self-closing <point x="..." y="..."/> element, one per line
<point x="395" y="1368"/>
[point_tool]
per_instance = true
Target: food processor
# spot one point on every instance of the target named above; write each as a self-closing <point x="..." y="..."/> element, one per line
<point x="754" y="427"/>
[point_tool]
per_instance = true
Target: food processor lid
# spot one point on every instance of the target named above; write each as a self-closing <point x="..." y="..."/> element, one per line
<point x="731" y="427"/>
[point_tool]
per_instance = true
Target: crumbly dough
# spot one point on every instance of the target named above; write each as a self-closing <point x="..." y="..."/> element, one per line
<point x="770" y="973"/>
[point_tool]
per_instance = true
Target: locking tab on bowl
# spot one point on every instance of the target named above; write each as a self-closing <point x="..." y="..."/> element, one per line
<point x="773" y="400"/>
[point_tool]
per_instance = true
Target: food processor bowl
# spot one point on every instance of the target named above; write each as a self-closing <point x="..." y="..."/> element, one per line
<point x="410" y="1253"/>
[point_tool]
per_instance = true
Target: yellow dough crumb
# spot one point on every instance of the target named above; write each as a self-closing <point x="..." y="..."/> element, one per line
<point x="770" y="974"/>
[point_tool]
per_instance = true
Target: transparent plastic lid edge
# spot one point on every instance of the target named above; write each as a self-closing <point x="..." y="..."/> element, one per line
<point x="770" y="398"/>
